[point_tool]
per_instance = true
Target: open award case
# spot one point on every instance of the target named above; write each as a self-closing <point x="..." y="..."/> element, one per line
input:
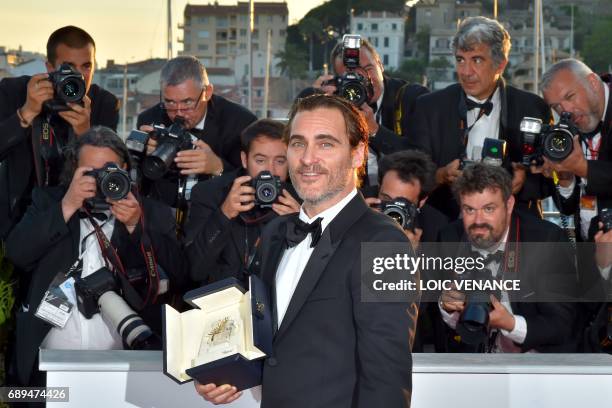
<point x="224" y="339"/>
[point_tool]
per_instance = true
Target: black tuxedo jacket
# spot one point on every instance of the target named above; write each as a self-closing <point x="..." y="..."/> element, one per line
<point x="225" y="120"/>
<point x="17" y="175"/>
<point x="436" y="130"/>
<point x="43" y="245"/>
<point x="332" y="349"/>
<point x="550" y="325"/>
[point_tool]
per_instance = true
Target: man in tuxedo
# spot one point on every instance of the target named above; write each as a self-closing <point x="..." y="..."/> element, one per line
<point x="25" y="162"/>
<point x="389" y="110"/>
<point x="331" y="349"/>
<point x="491" y="228"/>
<point x="224" y="226"/>
<point x="451" y="124"/>
<point x="585" y="176"/>
<point x="215" y="122"/>
<point x="56" y="235"/>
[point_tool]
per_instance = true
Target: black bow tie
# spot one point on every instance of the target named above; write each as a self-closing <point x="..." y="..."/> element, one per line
<point x="496" y="256"/>
<point x="297" y="230"/>
<point x="590" y="135"/>
<point x="486" y="107"/>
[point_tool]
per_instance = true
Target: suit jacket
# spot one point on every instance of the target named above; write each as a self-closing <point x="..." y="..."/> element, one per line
<point x="358" y="354"/>
<point x="218" y="247"/>
<point x="225" y="120"/>
<point x="550" y="325"/>
<point x="436" y="130"/>
<point x="43" y="245"/>
<point x="17" y="176"/>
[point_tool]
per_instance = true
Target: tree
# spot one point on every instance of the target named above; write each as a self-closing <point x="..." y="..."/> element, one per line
<point x="292" y="61"/>
<point x="422" y="39"/>
<point x="412" y="70"/>
<point x="310" y="28"/>
<point x="597" y="52"/>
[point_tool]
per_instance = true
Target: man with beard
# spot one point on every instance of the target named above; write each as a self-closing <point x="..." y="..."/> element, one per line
<point x="492" y="230"/>
<point x="331" y="349"/>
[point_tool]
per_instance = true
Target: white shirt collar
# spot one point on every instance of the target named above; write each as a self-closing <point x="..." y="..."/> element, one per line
<point x="200" y="125"/>
<point x="606" y="101"/>
<point x="329" y="214"/>
<point x="494" y="100"/>
<point x="379" y="101"/>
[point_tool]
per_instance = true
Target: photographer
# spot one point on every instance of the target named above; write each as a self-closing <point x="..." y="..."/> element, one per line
<point x="214" y="122"/>
<point x="72" y="237"/>
<point x="410" y="175"/>
<point x="389" y="108"/>
<point x="225" y="222"/>
<point x="451" y="124"/>
<point x="30" y="104"/>
<point x="491" y="229"/>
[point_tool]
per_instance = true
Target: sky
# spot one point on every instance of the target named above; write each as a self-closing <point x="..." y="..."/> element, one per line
<point x="124" y="30"/>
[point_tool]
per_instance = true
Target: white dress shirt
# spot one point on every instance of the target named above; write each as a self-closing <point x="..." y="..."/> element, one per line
<point x="519" y="333"/>
<point x="486" y="126"/>
<point x="80" y="333"/>
<point x="192" y="179"/>
<point x="294" y="259"/>
<point x="373" y="157"/>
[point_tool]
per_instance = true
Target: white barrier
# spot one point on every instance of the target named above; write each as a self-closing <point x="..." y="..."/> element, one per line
<point x="134" y="379"/>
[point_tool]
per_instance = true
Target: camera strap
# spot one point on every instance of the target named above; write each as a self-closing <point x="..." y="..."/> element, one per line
<point x="43" y="142"/>
<point x="109" y="253"/>
<point x="181" y="206"/>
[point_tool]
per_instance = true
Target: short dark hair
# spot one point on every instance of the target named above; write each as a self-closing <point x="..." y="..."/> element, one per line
<point x="71" y="36"/>
<point x="354" y="121"/>
<point x="272" y="129"/>
<point x="180" y="69"/>
<point x="337" y="51"/>
<point x="97" y="136"/>
<point x="410" y="165"/>
<point x="478" y="177"/>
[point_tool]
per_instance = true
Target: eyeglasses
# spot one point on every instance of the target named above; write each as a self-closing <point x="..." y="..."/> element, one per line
<point x="187" y="105"/>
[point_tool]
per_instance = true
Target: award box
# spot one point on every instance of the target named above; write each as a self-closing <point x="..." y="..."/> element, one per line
<point x="224" y="339"/>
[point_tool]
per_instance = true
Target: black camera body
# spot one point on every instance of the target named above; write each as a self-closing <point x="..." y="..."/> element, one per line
<point x="605" y="217"/>
<point x="170" y="141"/>
<point x="473" y="324"/>
<point x="402" y="211"/>
<point x="555" y="142"/>
<point x="90" y="288"/>
<point x="112" y="182"/>
<point x="267" y="189"/>
<point x="68" y="87"/>
<point x="493" y="154"/>
<point x="352" y="86"/>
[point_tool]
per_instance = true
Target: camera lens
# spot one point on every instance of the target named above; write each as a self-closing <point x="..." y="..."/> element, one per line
<point x="558" y="144"/>
<point x="115" y="185"/>
<point x="266" y="193"/>
<point x="395" y="215"/>
<point x="72" y="90"/>
<point x="354" y="92"/>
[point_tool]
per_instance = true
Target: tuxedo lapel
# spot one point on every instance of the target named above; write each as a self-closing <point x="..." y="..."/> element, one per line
<point x="322" y="254"/>
<point x="271" y="258"/>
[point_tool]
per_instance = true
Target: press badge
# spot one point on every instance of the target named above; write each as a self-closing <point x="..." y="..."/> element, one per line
<point x="59" y="300"/>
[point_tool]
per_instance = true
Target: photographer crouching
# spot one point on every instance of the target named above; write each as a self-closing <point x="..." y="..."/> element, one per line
<point x="100" y="260"/>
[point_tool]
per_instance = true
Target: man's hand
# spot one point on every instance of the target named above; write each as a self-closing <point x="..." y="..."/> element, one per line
<point x="449" y="173"/>
<point x="223" y="394"/>
<point x="239" y="199"/>
<point x="201" y="160"/>
<point x="78" y="117"/>
<point x="519" y="175"/>
<point x="39" y="90"/>
<point x="151" y="143"/>
<point x="414" y="237"/>
<point x="328" y="89"/>
<point x="565" y="177"/>
<point x="575" y="163"/>
<point x="286" y="204"/>
<point x="452" y="301"/>
<point x="370" y="118"/>
<point x="81" y="188"/>
<point x="127" y="211"/>
<point x="500" y="317"/>
<point x="603" y="251"/>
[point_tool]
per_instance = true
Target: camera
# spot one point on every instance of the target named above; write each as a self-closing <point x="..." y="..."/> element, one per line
<point x="473" y="324"/>
<point x="170" y="141"/>
<point x="401" y="211"/>
<point x="99" y="292"/>
<point x="68" y="86"/>
<point x="267" y="189"/>
<point x="493" y="153"/>
<point x="352" y="86"/>
<point x="555" y="142"/>
<point x="112" y="182"/>
<point x="605" y="217"/>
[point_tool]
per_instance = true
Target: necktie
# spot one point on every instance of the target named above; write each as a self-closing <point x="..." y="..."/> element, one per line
<point x="485" y="107"/>
<point x="297" y="230"/>
<point x="496" y="256"/>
